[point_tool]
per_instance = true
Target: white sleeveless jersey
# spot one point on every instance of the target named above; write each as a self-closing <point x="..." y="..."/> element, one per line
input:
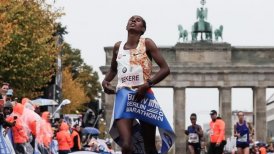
<point x="133" y="66"/>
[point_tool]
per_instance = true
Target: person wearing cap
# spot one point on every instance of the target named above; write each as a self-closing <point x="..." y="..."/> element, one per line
<point x="217" y="134"/>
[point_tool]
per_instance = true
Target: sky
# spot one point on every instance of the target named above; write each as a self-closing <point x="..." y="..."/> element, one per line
<point x="95" y="24"/>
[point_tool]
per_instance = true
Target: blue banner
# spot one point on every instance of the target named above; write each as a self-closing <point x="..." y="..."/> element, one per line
<point x="147" y="110"/>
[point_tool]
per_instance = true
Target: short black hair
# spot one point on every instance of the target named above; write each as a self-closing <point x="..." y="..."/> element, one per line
<point x="193" y="114"/>
<point x="144" y="24"/>
<point x="212" y="112"/>
<point x="240" y="112"/>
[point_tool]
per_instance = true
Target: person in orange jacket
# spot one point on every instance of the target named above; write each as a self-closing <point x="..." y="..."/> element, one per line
<point x="262" y="148"/>
<point x="45" y="134"/>
<point x="20" y="136"/>
<point x="75" y="137"/>
<point x="217" y="134"/>
<point x="63" y="139"/>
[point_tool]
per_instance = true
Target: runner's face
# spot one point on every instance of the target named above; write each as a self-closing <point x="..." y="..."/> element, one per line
<point x="135" y="23"/>
<point x="241" y="116"/>
<point x="193" y="120"/>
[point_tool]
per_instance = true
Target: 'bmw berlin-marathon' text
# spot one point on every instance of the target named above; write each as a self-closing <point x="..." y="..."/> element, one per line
<point x="146" y="107"/>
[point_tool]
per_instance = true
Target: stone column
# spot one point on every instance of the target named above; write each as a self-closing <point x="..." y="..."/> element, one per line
<point x="259" y="109"/>
<point x="225" y="109"/>
<point x="179" y="119"/>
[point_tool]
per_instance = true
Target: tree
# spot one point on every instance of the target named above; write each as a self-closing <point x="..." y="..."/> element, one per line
<point x="90" y="80"/>
<point x="71" y="58"/>
<point x="81" y="72"/>
<point x="28" y="48"/>
<point x="73" y="91"/>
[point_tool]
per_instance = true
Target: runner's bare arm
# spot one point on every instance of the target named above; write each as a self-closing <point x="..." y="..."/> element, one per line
<point x="112" y="71"/>
<point x="160" y="61"/>
<point x="235" y="131"/>
<point x="200" y="131"/>
<point x="164" y="71"/>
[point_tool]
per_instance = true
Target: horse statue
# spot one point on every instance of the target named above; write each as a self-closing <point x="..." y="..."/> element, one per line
<point x="208" y="35"/>
<point x="182" y="34"/>
<point x="219" y="33"/>
<point x="193" y="34"/>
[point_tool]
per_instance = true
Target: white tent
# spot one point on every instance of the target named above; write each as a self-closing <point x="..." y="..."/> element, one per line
<point x="44" y="102"/>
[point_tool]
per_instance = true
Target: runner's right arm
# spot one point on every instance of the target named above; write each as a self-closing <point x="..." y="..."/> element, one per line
<point x="112" y="71"/>
<point x="235" y="131"/>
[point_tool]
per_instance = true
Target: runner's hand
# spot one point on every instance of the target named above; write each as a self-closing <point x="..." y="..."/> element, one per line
<point x="141" y="91"/>
<point x="108" y="87"/>
<point x="238" y="135"/>
<point x="218" y="144"/>
<point x="197" y="129"/>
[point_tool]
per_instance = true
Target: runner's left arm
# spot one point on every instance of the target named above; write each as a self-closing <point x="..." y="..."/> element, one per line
<point x="160" y="61"/>
<point x="200" y="131"/>
<point x="164" y="71"/>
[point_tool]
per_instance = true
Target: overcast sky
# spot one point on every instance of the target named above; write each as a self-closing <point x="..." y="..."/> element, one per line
<point x="94" y="24"/>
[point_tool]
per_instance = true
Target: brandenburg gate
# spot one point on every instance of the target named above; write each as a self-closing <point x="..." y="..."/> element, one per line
<point x="210" y="64"/>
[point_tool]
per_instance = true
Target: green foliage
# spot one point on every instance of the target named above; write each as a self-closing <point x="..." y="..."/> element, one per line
<point x="28" y="48"/>
<point x="81" y="72"/>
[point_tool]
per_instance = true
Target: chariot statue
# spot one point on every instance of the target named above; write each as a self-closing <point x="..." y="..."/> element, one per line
<point x="202" y="26"/>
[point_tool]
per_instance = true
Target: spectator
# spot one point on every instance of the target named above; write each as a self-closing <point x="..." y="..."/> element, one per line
<point x="46" y="133"/>
<point x="20" y="136"/>
<point x="262" y="148"/>
<point x="75" y="137"/>
<point x="63" y="138"/>
<point x="270" y="148"/>
<point x="4" y="89"/>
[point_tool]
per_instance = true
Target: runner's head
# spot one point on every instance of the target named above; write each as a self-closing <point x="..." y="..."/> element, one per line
<point x="193" y="118"/>
<point x="213" y="115"/>
<point x="240" y="115"/>
<point x="136" y="24"/>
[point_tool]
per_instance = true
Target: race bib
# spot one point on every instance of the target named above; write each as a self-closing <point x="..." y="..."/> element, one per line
<point x="242" y="138"/>
<point x="193" y="138"/>
<point x="132" y="76"/>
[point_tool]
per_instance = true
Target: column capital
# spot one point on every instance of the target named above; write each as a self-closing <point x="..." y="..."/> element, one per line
<point x="178" y="87"/>
<point x="259" y="87"/>
<point x="225" y="87"/>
